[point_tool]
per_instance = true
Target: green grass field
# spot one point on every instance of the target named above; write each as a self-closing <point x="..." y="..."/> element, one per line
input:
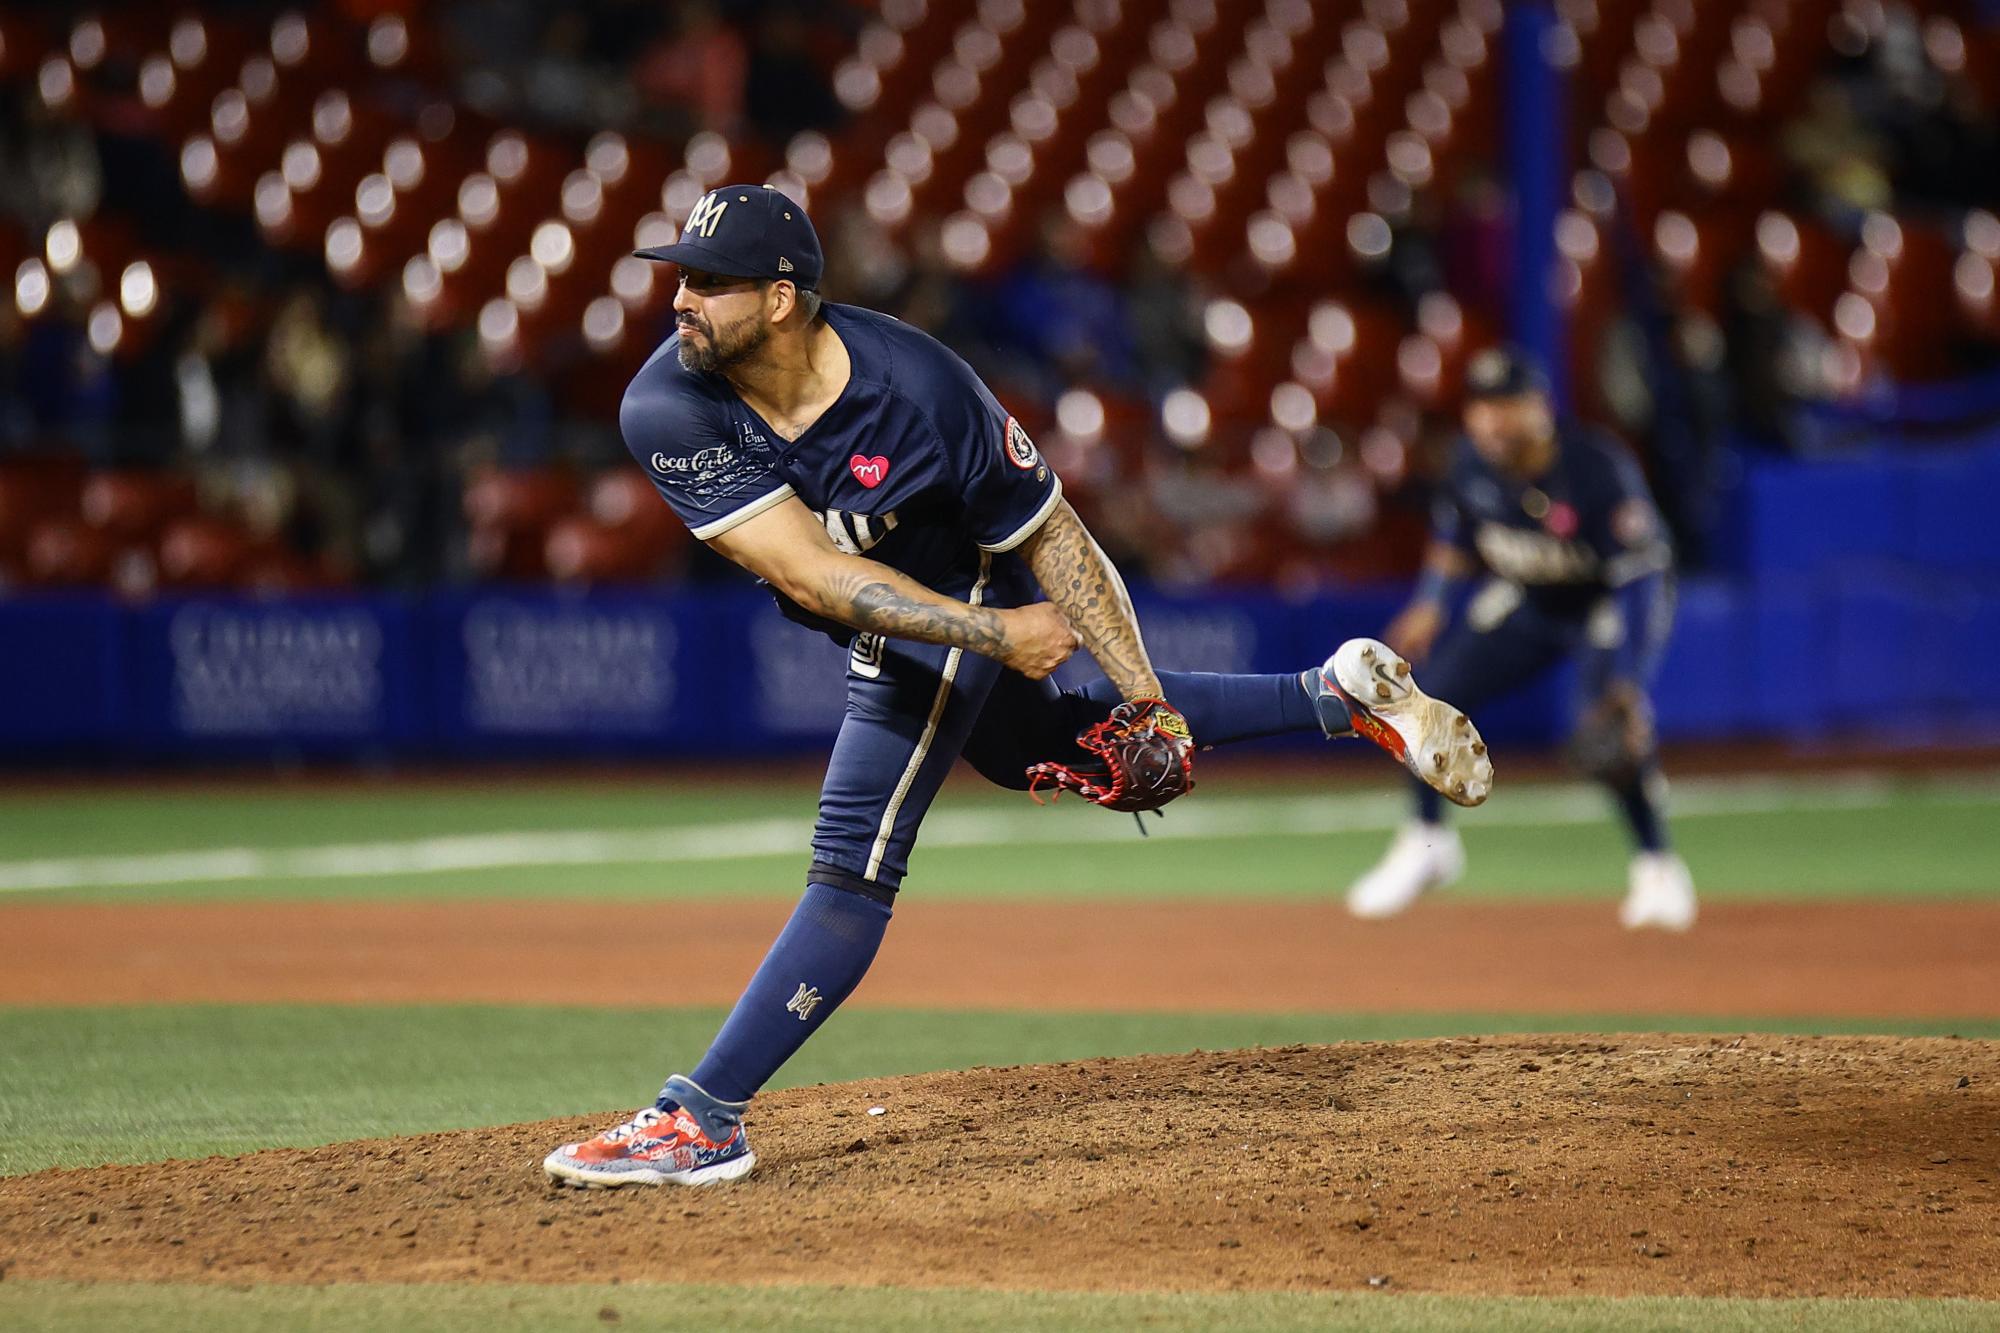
<point x="1747" y="838"/>
<point x="135" y="1308"/>
<point x="80" y="1086"/>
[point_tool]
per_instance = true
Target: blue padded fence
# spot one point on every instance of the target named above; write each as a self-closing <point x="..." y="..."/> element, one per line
<point x="1865" y="595"/>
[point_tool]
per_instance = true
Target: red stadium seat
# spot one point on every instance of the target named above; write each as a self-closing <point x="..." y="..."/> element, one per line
<point x="511" y="512"/>
<point x="66" y="553"/>
<point x="202" y="552"/>
<point x="133" y="506"/>
<point x="33" y="491"/>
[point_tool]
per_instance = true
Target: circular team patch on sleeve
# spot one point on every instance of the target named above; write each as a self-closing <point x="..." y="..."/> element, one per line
<point x="1020" y="450"/>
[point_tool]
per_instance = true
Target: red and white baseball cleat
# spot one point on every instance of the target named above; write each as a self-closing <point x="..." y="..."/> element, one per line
<point x="1435" y="741"/>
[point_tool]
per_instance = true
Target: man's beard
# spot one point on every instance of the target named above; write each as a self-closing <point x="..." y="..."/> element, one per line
<point x="738" y="342"/>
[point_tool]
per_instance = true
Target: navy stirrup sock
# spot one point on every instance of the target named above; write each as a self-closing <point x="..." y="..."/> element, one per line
<point x="1221" y="708"/>
<point x="817" y="961"/>
<point x="1430" y="805"/>
<point x="1639" y="802"/>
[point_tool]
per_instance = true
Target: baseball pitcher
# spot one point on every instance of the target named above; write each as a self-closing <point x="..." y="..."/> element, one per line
<point x="860" y="469"/>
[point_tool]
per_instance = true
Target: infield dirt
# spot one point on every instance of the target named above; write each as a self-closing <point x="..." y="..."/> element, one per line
<point x="1605" y="1165"/>
<point x="1810" y="960"/>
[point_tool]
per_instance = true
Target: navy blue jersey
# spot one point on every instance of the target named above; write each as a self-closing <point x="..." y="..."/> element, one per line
<point x="1589" y="525"/>
<point x="915" y="464"/>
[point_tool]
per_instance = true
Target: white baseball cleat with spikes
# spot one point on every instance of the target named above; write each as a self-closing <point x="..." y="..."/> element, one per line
<point x="1435" y="741"/>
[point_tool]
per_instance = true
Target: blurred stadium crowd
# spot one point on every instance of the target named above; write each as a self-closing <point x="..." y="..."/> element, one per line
<point x="342" y="294"/>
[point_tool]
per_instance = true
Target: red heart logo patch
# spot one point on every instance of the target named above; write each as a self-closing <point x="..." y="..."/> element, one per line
<point x="870" y="472"/>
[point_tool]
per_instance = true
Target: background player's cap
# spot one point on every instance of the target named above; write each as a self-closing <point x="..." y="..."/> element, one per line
<point x="747" y="231"/>
<point x="1503" y="372"/>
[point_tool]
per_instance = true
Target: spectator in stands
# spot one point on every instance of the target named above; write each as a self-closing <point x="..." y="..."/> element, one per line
<point x="700" y="67"/>
<point x="218" y="376"/>
<point x="1163" y="313"/>
<point x="932" y="297"/>
<point x="1836" y="159"/>
<point x="307" y="368"/>
<point x="786" y="90"/>
<point x="1940" y="145"/>
<point x="561" y="84"/>
<point x="1067" y="323"/>
<point x="489" y="43"/>
<point x="49" y="165"/>
<point x="1754" y="336"/>
<point x="1209" y="508"/>
<point x="67" y="387"/>
<point x="1475" y="245"/>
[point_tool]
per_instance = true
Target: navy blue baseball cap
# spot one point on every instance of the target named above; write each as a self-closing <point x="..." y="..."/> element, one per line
<point x="747" y="231"/>
<point x="1503" y="372"/>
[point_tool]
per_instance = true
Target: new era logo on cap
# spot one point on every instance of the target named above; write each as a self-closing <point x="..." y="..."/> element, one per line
<point x="784" y="264"/>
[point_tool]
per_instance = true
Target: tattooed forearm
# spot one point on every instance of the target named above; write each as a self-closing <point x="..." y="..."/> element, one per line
<point x="876" y="599"/>
<point x="1083" y="583"/>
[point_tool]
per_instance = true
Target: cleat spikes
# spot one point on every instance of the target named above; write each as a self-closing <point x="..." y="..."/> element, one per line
<point x="1437" y="742"/>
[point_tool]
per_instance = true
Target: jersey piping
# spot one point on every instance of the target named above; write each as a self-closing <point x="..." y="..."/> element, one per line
<point x="1035" y="520"/>
<point x="743" y="514"/>
<point x="917" y="757"/>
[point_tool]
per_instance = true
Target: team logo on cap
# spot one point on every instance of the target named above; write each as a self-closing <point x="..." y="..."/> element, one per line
<point x="1020" y="450"/>
<point x="702" y="218"/>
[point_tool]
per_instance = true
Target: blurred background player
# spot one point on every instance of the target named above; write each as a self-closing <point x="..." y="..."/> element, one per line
<point x="1576" y="564"/>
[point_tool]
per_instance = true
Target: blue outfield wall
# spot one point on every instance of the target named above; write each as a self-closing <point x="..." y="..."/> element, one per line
<point x="1865" y="597"/>
<point x="469" y="675"/>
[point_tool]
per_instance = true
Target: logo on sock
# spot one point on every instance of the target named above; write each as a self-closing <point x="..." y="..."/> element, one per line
<point x="804" y="1002"/>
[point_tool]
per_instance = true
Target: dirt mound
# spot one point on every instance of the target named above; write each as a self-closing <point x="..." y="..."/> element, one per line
<point x="1754" y="1166"/>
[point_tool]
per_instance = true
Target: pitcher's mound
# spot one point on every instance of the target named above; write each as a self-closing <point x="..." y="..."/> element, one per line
<point x="1751" y="1166"/>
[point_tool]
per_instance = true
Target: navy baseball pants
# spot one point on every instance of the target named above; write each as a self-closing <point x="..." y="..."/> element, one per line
<point x="912" y="710"/>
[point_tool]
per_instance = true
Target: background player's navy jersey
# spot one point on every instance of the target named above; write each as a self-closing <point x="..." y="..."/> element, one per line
<point x="915" y="464"/>
<point x="1586" y="526"/>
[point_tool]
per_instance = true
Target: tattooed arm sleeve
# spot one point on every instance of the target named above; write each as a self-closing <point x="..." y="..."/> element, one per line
<point x="789" y="548"/>
<point x="1084" y="585"/>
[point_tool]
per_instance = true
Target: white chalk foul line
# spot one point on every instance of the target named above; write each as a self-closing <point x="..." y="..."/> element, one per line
<point x="1295" y="816"/>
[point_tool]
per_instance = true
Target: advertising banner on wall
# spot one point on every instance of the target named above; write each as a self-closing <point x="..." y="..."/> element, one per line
<point x="689" y="673"/>
<point x="216" y="673"/>
<point x="524" y="670"/>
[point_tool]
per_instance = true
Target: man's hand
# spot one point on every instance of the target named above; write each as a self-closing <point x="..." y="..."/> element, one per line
<point x="1415" y="630"/>
<point x="1038" y="639"/>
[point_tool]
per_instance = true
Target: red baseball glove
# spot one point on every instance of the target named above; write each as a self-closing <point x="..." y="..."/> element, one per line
<point x="1145" y="758"/>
